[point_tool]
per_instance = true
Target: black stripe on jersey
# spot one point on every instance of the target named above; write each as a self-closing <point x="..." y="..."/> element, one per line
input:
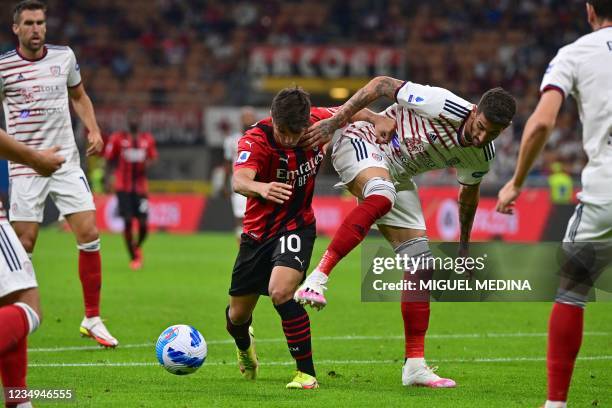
<point x="459" y="107"/>
<point x="284" y="164"/>
<point x="296" y="201"/>
<point x="489" y="151"/>
<point x="454" y="110"/>
<point x="11" y="248"/>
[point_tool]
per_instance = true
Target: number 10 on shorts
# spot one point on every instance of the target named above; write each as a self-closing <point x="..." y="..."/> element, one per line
<point x="291" y="243"/>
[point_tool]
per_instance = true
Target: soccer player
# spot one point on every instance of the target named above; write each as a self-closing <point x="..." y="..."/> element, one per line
<point x="36" y="83"/>
<point x="581" y="69"/>
<point x="131" y="152"/>
<point x="230" y="152"/>
<point x="435" y="129"/>
<point x="278" y="178"/>
<point x="19" y="298"/>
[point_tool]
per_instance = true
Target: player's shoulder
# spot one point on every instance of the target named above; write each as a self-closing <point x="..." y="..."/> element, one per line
<point x="59" y="50"/>
<point x="8" y="54"/>
<point x="258" y="134"/>
<point x="320" y="113"/>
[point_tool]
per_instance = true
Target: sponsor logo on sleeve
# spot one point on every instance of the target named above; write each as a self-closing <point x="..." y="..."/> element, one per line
<point x="243" y="157"/>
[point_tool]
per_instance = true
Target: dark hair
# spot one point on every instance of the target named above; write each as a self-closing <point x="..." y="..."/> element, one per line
<point x="27" y="5"/>
<point x="291" y="109"/>
<point x="498" y="106"/>
<point x="603" y="8"/>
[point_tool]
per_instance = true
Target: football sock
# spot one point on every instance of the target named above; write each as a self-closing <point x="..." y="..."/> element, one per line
<point x="416" y="322"/>
<point x="353" y="230"/>
<point x="143" y="231"/>
<point x="90" y="272"/>
<point x="13" y="368"/>
<point x="240" y="332"/>
<point x="14" y="327"/>
<point x="127" y="236"/>
<point x="296" y="326"/>
<point x="564" y="339"/>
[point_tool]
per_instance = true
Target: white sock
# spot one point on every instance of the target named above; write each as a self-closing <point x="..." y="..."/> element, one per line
<point x="555" y="404"/>
<point x="33" y="318"/>
<point x="413" y="363"/>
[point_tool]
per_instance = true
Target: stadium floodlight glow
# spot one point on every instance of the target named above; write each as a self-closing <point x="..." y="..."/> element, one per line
<point x="339" y="93"/>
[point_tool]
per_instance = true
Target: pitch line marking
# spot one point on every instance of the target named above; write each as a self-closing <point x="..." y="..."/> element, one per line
<point x="351" y="362"/>
<point x="319" y="338"/>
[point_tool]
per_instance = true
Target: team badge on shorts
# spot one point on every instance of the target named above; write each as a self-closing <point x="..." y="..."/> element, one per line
<point x="376" y="156"/>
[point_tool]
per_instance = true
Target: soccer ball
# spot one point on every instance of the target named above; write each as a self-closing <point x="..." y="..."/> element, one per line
<point x="181" y="349"/>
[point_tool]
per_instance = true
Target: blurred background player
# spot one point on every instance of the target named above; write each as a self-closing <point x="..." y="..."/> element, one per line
<point x="130" y="153"/>
<point x="20" y="312"/>
<point x="37" y="81"/>
<point x="435" y="129"/>
<point x="581" y="69"/>
<point x="278" y="177"/>
<point x="230" y="152"/>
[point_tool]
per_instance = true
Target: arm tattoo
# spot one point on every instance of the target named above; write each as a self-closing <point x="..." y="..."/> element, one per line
<point x="380" y="86"/>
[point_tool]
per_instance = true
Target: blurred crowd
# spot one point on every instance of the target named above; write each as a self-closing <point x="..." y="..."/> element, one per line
<point x="194" y="53"/>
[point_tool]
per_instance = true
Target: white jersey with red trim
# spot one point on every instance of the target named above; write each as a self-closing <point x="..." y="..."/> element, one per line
<point x="429" y="122"/>
<point x="34" y="95"/>
<point x="583" y="69"/>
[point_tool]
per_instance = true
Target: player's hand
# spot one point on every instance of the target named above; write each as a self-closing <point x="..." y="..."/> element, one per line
<point x="506" y="198"/>
<point x="276" y="192"/>
<point x="384" y="128"/>
<point x="95" y="143"/>
<point x="47" y="161"/>
<point x="319" y="134"/>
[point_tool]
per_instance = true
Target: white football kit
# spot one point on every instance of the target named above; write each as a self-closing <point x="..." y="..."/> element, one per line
<point x="230" y="153"/>
<point x="429" y="122"/>
<point x="34" y="94"/>
<point x="583" y="70"/>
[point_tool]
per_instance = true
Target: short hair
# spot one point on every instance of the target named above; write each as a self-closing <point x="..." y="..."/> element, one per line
<point x="27" y="5"/>
<point x="498" y="106"/>
<point x="291" y="109"/>
<point x="603" y="8"/>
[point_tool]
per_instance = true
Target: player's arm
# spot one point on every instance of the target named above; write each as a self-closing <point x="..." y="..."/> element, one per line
<point x="85" y="111"/>
<point x="243" y="182"/>
<point x="44" y="162"/>
<point x="323" y="131"/>
<point x="469" y="195"/>
<point x="535" y="135"/>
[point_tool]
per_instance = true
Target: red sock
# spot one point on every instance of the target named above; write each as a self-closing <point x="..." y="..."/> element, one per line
<point x="564" y="339"/>
<point x="90" y="272"/>
<point x="13" y="368"/>
<point x="14" y="327"/>
<point x="416" y="322"/>
<point x="353" y="230"/>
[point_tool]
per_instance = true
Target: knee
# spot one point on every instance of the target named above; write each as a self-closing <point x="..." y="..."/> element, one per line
<point x="280" y="295"/>
<point x="377" y="187"/>
<point x="89" y="235"/>
<point x="29" y="300"/>
<point x="238" y="315"/>
<point x="28" y="240"/>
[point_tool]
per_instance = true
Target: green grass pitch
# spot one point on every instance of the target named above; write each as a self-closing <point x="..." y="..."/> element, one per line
<point x="495" y="351"/>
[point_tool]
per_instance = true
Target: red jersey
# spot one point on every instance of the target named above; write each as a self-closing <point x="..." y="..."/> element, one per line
<point x="131" y="154"/>
<point x="258" y="150"/>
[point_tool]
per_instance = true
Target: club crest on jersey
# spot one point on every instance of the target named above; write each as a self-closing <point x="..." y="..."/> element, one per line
<point x="55" y="70"/>
<point x="243" y="157"/>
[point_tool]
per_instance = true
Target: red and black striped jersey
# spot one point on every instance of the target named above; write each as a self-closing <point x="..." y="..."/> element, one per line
<point x="131" y="154"/>
<point x="258" y="150"/>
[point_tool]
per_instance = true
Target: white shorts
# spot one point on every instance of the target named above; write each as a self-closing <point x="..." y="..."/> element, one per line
<point x="239" y="204"/>
<point x="590" y="223"/>
<point x="16" y="271"/>
<point x="68" y="188"/>
<point x="352" y="154"/>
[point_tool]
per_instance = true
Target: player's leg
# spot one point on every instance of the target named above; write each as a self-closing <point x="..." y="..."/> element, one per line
<point x="125" y="212"/>
<point x="363" y="171"/>
<point x="239" y="317"/>
<point x="142" y="214"/>
<point x="73" y="198"/>
<point x="19" y="310"/>
<point x="404" y="228"/>
<point x="587" y="245"/>
<point x="291" y="260"/>
<point x="27" y="232"/>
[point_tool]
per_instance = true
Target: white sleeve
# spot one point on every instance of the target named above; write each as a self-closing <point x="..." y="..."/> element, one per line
<point x="230" y="145"/>
<point x="431" y="101"/>
<point x="560" y="73"/>
<point x="74" y="71"/>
